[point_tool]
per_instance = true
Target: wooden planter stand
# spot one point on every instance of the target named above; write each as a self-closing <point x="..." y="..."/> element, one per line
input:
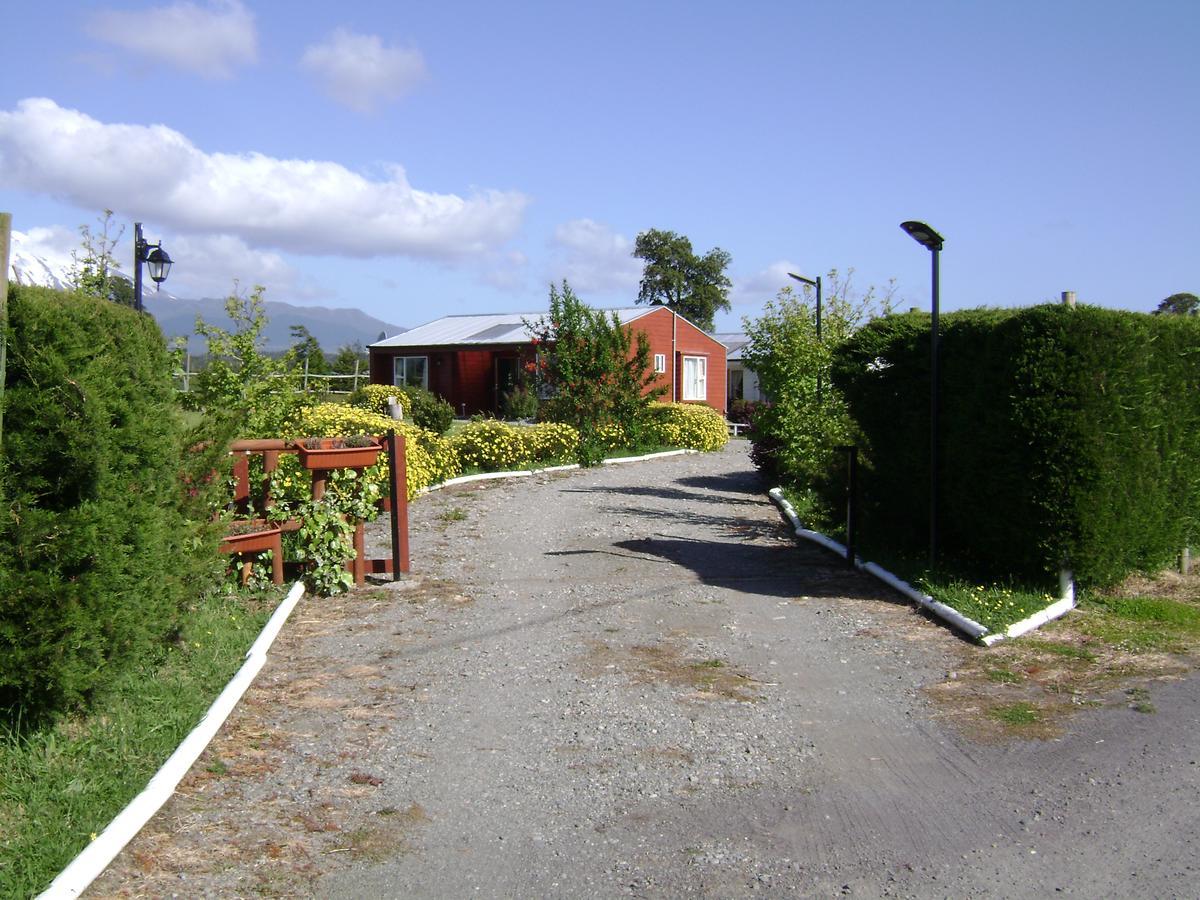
<point x="320" y="461"/>
<point x="264" y="537"/>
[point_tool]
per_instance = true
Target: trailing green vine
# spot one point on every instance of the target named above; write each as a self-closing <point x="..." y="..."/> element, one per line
<point x="322" y="544"/>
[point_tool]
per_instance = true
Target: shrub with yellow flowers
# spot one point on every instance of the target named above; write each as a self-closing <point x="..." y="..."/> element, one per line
<point x="491" y="446"/>
<point x="374" y="397"/>
<point x="551" y="442"/>
<point x="690" y="425"/>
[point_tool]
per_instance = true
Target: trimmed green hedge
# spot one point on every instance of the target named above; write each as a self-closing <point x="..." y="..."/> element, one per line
<point x="103" y="533"/>
<point x="1067" y="435"/>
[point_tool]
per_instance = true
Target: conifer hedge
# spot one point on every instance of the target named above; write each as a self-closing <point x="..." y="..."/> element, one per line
<point x="1068" y="436"/>
<point x="103" y="534"/>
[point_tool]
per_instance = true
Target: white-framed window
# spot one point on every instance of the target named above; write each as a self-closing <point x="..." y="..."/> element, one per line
<point x="411" y="371"/>
<point x="660" y="363"/>
<point x="695" y="378"/>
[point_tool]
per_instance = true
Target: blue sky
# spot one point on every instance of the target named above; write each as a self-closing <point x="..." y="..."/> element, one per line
<point x="416" y="160"/>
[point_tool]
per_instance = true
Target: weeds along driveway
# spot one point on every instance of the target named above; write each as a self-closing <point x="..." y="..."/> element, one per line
<point x="631" y="681"/>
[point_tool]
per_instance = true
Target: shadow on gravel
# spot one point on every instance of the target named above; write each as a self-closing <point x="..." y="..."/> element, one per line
<point x="663" y="493"/>
<point x="784" y="571"/>
<point x="730" y="483"/>
<point x="747" y="528"/>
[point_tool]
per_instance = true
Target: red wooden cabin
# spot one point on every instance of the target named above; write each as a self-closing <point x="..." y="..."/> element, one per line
<point x="470" y="361"/>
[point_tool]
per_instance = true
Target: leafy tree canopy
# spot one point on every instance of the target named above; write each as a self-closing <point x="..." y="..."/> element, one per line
<point x="94" y="270"/>
<point x="307" y="349"/>
<point x="674" y="276"/>
<point x="796" y="432"/>
<point x="598" y="375"/>
<point x="241" y="377"/>
<point x="1179" y="305"/>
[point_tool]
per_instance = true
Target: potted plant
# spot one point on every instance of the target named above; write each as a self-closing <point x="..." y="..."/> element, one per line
<point x="354" y="452"/>
<point x="250" y="536"/>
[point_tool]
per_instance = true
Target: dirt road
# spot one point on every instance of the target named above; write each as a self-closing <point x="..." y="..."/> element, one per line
<point x="631" y="681"/>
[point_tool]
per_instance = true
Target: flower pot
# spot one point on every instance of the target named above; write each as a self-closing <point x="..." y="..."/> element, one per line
<point x="327" y="456"/>
<point x="263" y="537"/>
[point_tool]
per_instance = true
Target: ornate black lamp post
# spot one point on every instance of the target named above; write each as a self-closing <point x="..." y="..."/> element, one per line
<point x="931" y="241"/>
<point x="158" y="263"/>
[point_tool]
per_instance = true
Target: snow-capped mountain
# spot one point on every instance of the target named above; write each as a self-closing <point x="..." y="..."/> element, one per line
<point x="333" y="328"/>
<point x="27" y="268"/>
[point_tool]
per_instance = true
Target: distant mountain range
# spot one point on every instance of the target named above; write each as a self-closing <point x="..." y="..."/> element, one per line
<point x="332" y="327"/>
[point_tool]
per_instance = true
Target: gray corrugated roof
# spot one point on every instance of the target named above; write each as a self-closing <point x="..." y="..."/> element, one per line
<point x="485" y="329"/>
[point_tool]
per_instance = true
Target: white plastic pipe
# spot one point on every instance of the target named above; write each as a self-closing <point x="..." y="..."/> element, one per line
<point x="87" y="866"/>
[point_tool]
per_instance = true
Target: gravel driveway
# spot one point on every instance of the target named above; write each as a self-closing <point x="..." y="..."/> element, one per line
<point x="631" y="681"/>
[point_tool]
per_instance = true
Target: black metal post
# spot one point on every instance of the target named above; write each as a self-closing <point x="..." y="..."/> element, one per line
<point x="818" y="280"/>
<point x="139" y="253"/>
<point x="851" y="505"/>
<point x="821" y="362"/>
<point x="931" y="241"/>
<point x="814" y="282"/>
<point x="934" y="403"/>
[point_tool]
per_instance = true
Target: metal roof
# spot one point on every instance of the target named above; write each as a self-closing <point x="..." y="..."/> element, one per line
<point x="487" y="329"/>
<point x="734" y="343"/>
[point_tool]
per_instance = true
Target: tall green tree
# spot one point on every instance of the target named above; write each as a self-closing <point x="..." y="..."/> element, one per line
<point x="349" y="359"/>
<point x="694" y="286"/>
<point x="1179" y="305"/>
<point x="94" y="270"/>
<point x="796" y="432"/>
<point x="598" y="374"/>
<point x="241" y="377"/>
<point x="307" y="349"/>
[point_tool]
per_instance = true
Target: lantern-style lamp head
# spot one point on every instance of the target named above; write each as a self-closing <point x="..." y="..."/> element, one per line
<point x="158" y="263"/>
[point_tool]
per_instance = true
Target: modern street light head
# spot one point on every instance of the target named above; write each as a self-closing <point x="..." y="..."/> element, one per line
<point x="807" y="281"/>
<point x="923" y="235"/>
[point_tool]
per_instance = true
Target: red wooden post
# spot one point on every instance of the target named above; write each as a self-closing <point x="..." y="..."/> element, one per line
<point x="241" y="474"/>
<point x="398" y="470"/>
<point x="270" y="463"/>
<point x="360" y="552"/>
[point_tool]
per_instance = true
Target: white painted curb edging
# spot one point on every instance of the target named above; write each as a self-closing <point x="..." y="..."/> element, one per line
<point x="525" y="473"/>
<point x="941" y="610"/>
<point x="613" y="460"/>
<point x="94" y="859"/>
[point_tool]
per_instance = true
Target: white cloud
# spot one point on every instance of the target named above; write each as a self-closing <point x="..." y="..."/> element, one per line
<point x="359" y="71"/>
<point x="765" y="284"/>
<point x="303" y="206"/>
<point x="594" y="259"/>
<point x="206" y="265"/>
<point x="507" y="273"/>
<point x="211" y="41"/>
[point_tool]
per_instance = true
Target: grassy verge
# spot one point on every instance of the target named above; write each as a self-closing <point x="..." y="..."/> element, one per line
<point x="994" y="606"/>
<point x="1111" y="650"/>
<point x="64" y="784"/>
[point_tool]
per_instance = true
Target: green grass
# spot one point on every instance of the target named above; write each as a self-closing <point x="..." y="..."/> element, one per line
<point x="1143" y="624"/>
<point x="1015" y="714"/>
<point x="1054" y="648"/>
<point x="992" y="606"/>
<point x="1003" y="676"/>
<point x="64" y="783"/>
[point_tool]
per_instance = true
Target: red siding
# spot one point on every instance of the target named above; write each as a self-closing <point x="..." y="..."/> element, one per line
<point x="473" y="384"/>
<point x="675" y="337"/>
<point x="466" y="378"/>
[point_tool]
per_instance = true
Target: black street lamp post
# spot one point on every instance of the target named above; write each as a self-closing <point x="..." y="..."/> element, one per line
<point x="156" y="259"/>
<point x="816" y="283"/>
<point x="931" y="241"/>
